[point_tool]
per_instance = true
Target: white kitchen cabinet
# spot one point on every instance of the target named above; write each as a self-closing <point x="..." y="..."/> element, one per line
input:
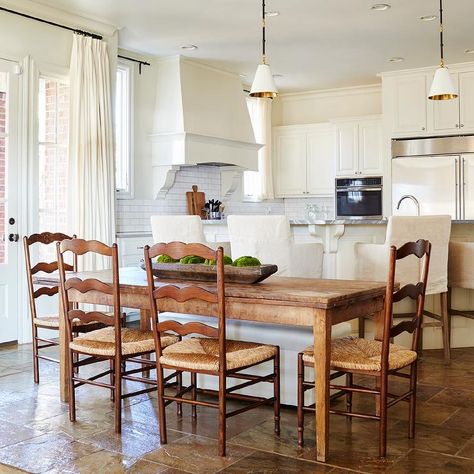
<point x="290" y="162"/>
<point x="359" y="147"/>
<point x="408" y="104"/>
<point x="131" y="248"/>
<point x="303" y="160"/>
<point x="466" y="101"/>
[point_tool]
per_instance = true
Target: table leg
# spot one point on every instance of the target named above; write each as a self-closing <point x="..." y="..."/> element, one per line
<point x="145" y="325"/>
<point x="63" y="355"/>
<point x="322" y="358"/>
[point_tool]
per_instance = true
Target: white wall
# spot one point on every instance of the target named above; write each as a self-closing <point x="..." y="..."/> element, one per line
<point x="321" y="106"/>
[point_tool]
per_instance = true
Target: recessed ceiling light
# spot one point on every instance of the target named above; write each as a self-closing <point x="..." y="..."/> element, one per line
<point x="469" y="51"/>
<point x="396" y="59"/>
<point x="380" y="7"/>
<point x="428" y="17"/>
<point x="189" y="47"/>
<point x="275" y="13"/>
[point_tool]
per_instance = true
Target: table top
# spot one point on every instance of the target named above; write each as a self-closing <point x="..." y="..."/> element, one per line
<point x="299" y="291"/>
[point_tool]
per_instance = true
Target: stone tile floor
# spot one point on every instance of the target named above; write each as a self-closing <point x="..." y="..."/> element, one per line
<point x="36" y="435"/>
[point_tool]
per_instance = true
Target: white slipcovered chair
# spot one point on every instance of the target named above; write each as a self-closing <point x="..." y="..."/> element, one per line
<point x="180" y="228"/>
<point x="460" y="273"/>
<point x="269" y="239"/>
<point x="371" y="262"/>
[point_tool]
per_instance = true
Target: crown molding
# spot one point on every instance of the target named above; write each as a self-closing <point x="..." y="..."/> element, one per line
<point x="338" y="92"/>
<point x="422" y="70"/>
<point x="59" y="16"/>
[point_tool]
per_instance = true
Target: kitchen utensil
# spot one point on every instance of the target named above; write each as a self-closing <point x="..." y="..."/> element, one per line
<point x="196" y="201"/>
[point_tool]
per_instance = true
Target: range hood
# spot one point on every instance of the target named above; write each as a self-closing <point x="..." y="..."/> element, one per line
<point x="200" y="118"/>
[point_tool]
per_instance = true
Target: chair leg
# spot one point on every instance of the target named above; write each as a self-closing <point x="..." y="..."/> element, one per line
<point x="161" y="404"/>
<point x="75" y="355"/>
<point x="112" y="379"/>
<point x="300" y="403"/>
<point x="412" y="414"/>
<point x="118" y="394"/>
<point x="361" y="328"/>
<point x="446" y="327"/>
<point x="72" y="394"/>
<point x="179" y="384"/>
<point x="349" y="381"/>
<point x="222" y="414"/>
<point x="276" y="391"/>
<point x="193" y="393"/>
<point x="382" y="400"/>
<point x="35" y="355"/>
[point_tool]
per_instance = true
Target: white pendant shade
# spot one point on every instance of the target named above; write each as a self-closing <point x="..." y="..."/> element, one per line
<point x="263" y="83"/>
<point x="442" y="87"/>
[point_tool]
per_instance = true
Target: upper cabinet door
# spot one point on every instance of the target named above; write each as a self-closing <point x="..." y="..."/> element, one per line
<point x="320" y="161"/>
<point x="466" y="98"/>
<point x="347" y="149"/>
<point x="409" y="104"/>
<point x="446" y="112"/>
<point x="290" y="163"/>
<point x="370" y="147"/>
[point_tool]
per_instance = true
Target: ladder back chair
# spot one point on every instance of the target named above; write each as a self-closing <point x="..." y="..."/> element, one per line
<point x="377" y="358"/>
<point x="113" y="342"/>
<point x="51" y="321"/>
<point x="210" y="353"/>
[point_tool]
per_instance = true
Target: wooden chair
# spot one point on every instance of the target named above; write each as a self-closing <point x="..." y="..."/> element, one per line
<point x="376" y="358"/>
<point x="51" y="321"/>
<point x="212" y="354"/>
<point x="113" y="342"/>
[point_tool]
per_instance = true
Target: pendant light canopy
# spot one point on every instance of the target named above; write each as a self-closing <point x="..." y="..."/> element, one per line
<point x="442" y="87"/>
<point x="263" y="84"/>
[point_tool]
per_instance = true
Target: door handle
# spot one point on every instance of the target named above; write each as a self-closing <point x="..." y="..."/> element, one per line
<point x="13" y="237"/>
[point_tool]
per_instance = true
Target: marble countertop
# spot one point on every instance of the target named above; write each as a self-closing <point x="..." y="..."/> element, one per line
<point x="306" y="221"/>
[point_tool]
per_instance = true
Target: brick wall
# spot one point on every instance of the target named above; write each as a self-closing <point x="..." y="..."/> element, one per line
<point x="2" y="174"/>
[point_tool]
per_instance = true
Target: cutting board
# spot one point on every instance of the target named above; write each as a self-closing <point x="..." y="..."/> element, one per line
<point x="196" y="200"/>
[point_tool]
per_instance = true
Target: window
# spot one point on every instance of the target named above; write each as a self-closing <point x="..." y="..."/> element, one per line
<point x="123" y="131"/>
<point x="53" y="137"/>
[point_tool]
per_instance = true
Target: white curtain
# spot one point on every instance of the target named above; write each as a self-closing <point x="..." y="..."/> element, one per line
<point x="261" y="182"/>
<point x="91" y="178"/>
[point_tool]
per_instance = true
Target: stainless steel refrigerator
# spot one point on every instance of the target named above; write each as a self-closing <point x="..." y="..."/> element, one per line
<point x="436" y="172"/>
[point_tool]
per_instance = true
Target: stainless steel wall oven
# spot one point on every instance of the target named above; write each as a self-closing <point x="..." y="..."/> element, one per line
<point x="359" y="198"/>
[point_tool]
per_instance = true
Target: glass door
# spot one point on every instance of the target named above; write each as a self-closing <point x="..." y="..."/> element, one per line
<point x="9" y="196"/>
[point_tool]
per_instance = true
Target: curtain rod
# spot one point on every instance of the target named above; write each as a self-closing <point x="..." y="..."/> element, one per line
<point x="64" y="27"/>
<point x="140" y="63"/>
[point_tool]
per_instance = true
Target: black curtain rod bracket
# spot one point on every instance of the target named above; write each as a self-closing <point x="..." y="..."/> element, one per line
<point x="140" y="63"/>
<point x="52" y="23"/>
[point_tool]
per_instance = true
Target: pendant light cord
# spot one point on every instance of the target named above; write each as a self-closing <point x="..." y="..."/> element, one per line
<point x="263" y="32"/>
<point x="441" y="43"/>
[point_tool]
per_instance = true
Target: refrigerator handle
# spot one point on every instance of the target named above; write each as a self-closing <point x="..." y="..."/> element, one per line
<point x="462" y="191"/>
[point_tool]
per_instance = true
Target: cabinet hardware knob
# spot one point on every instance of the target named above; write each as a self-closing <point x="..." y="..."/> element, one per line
<point x="462" y="125"/>
<point x="457" y="125"/>
<point x="423" y="128"/>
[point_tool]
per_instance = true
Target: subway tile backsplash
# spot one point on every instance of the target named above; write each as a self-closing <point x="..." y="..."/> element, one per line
<point x="133" y="215"/>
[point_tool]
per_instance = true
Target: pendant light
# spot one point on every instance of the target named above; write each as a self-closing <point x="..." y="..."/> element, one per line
<point x="263" y="84"/>
<point x="442" y="87"/>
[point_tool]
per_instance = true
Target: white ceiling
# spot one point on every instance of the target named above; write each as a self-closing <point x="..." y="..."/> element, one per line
<point x="315" y="44"/>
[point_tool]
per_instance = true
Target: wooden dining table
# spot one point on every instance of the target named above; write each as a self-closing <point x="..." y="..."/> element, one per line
<point x="319" y="304"/>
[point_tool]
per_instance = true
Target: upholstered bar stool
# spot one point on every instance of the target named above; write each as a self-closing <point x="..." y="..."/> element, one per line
<point x="371" y="258"/>
<point x="460" y="273"/>
<point x="269" y="239"/>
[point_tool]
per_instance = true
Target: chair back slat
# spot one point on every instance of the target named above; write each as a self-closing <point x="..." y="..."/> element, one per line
<point x="409" y="291"/>
<point x="46" y="238"/>
<point x="404" y="326"/>
<point x="90" y="284"/>
<point x="416" y="291"/>
<point x="177" y="250"/>
<point x="216" y="299"/>
<point x="91" y="316"/>
<point x="46" y="290"/>
<point x="188" y="328"/>
<point x="186" y="293"/>
<point x="79" y="247"/>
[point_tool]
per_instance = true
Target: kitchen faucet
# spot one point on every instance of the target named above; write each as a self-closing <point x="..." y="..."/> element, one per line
<point x="413" y="198"/>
